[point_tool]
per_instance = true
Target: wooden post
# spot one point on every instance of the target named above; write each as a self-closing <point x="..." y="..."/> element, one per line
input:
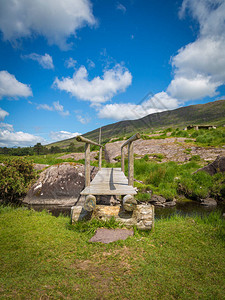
<point x="100" y="149"/>
<point x="87" y="165"/>
<point x="100" y="158"/>
<point x="130" y="163"/>
<point x="122" y="159"/>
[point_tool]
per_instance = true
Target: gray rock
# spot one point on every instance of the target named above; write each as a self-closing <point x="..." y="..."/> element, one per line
<point x="59" y="185"/>
<point x="208" y="202"/>
<point x="107" y="236"/>
<point x="170" y="203"/>
<point x="215" y="167"/>
<point x="157" y="198"/>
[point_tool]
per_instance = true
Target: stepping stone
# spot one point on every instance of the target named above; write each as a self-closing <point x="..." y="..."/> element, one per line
<point x="107" y="236"/>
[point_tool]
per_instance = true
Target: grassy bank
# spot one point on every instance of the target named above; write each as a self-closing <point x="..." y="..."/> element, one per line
<point x="43" y="257"/>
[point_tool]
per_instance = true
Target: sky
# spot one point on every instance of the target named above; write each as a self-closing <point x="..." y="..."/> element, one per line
<point x="70" y="66"/>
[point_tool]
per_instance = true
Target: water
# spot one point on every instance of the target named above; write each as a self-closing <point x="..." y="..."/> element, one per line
<point x="189" y="208"/>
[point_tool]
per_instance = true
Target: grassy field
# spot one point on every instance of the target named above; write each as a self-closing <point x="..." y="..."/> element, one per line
<point x="43" y="257"/>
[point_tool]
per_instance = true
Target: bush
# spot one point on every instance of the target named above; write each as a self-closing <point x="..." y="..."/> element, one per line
<point x="16" y="175"/>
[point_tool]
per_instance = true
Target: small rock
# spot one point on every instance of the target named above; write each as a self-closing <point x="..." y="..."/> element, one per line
<point x="157" y="198"/>
<point x="208" y="202"/>
<point x="170" y="203"/>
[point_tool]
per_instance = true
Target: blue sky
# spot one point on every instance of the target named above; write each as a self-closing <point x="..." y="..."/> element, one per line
<point x="70" y="66"/>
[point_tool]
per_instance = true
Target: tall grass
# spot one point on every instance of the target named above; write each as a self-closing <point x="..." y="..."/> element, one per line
<point x="171" y="179"/>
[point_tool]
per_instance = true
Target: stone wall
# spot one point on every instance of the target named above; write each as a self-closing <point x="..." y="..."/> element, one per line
<point x="142" y="216"/>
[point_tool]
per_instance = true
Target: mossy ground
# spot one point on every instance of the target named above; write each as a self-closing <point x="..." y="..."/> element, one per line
<point x="44" y="257"/>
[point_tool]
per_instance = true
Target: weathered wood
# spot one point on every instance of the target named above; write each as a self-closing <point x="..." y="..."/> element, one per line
<point x="131" y="163"/>
<point x="132" y="139"/>
<point x="109" y="181"/>
<point x="100" y="158"/>
<point x="80" y="138"/>
<point x="87" y="165"/>
<point x="122" y="159"/>
<point x="129" y="203"/>
<point x="90" y="203"/>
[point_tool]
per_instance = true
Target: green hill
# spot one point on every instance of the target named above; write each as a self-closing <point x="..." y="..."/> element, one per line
<point x="209" y="113"/>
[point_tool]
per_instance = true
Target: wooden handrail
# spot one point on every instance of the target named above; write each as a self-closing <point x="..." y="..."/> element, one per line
<point x="129" y="142"/>
<point x="88" y="157"/>
<point x="131" y="139"/>
<point x="80" y="138"/>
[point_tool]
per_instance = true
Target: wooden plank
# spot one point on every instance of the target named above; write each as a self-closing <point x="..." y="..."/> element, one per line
<point x="109" y="181"/>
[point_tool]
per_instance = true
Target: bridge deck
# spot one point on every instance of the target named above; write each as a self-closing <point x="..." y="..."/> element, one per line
<point x="109" y="181"/>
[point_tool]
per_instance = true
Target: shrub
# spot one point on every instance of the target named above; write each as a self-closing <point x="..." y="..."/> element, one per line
<point x="16" y="176"/>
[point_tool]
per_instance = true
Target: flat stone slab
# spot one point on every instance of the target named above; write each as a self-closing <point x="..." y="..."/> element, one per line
<point x="106" y="236"/>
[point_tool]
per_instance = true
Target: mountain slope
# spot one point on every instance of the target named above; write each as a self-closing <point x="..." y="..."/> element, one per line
<point x="209" y="113"/>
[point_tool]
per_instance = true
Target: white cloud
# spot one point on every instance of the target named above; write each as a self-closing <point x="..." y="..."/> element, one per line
<point x="210" y="15"/>
<point x="6" y="126"/>
<point x="45" y="107"/>
<point x="55" y="20"/>
<point x="70" y="63"/>
<point x="199" y="67"/>
<point x="56" y="106"/>
<point x="91" y="64"/>
<point x="128" y="111"/>
<point x="121" y="7"/>
<point x="97" y="90"/>
<point x="62" y="135"/>
<point x="83" y="120"/>
<point x="44" y="60"/>
<point x="11" y="87"/>
<point x="10" y="138"/>
<point x="3" y="114"/>
<point x="192" y="88"/>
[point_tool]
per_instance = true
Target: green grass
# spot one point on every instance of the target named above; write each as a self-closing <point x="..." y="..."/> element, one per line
<point x="203" y="137"/>
<point x="48" y="159"/>
<point x="171" y="179"/>
<point x="43" y="257"/>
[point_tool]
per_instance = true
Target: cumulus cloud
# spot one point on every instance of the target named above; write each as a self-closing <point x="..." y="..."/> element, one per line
<point x="11" y="87"/>
<point x="44" y="60"/>
<point x="97" y="90"/>
<point x="56" y="106"/>
<point x="10" y="138"/>
<point x="70" y="63"/>
<point x="56" y="21"/>
<point x="192" y="88"/>
<point x="3" y="114"/>
<point x="121" y="7"/>
<point x="62" y="135"/>
<point x="199" y="67"/>
<point x="128" y="111"/>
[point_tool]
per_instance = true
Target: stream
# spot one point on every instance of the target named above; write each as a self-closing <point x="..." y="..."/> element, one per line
<point x="189" y="208"/>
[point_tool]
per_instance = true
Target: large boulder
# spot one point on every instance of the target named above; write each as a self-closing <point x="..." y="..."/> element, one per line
<point x="217" y="166"/>
<point x="59" y="185"/>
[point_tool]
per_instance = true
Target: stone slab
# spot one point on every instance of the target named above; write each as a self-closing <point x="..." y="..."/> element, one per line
<point x="107" y="236"/>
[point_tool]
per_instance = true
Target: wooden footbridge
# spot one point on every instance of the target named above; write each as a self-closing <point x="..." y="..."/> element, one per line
<point x="109" y="181"/>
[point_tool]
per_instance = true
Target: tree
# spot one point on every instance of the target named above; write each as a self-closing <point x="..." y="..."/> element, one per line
<point x="38" y="148"/>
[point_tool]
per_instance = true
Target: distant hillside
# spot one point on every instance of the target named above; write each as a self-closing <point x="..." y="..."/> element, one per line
<point x="209" y="113"/>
